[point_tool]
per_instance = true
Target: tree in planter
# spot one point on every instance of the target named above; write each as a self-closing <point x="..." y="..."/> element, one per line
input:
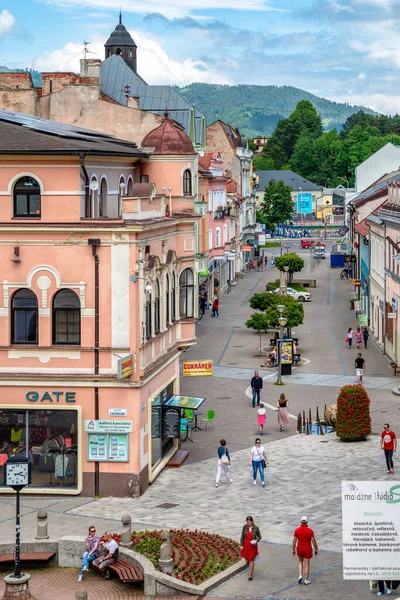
<point x="353" y="418"/>
<point x="291" y="260"/>
<point x="258" y="321"/>
<point x="277" y="205"/>
<point x="267" y="302"/>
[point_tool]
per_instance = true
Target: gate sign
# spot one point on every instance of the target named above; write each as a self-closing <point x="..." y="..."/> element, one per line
<point x="304" y="203"/>
<point x="371" y="529"/>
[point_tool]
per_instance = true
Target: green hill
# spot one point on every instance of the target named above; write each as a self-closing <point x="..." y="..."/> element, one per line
<point x="255" y="109"/>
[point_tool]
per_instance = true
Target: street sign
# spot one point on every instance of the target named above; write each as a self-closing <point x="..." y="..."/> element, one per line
<point x="343" y="230"/>
<point x="355" y="282"/>
<point x="392" y="315"/>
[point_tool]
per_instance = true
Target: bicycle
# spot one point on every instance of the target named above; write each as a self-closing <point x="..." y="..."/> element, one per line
<point x="344" y="274"/>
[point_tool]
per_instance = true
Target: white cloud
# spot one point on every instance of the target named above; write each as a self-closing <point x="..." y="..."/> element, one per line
<point x="154" y="64"/>
<point x="383" y="103"/>
<point x="361" y="76"/>
<point x="7" y="22"/>
<point x="169" y="8"/>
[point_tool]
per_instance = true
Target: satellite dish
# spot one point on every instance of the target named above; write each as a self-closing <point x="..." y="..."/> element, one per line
<point x="94" y="185"/>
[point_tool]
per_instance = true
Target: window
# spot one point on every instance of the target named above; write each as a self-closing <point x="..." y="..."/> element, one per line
<point x="173" y="298"/>
<point x="210" y="239"/>
<point x="66" y="318"/>
<point x="144" y="179"/>
<point x="103" y="199"/>
<point x="187" y="183"/>
<point x="149" y="328"/>
<point x="225" y="234"/>
<point x="130" y="53"/>
<point x="24" y="318"/>
<point x="130" y="187"/>
<point x="27" y="198"/>
<point x="186" y="293"/>
<point x="157" y="315"/>
<point x="167" y="311"/>
<point x="217" y="237"/>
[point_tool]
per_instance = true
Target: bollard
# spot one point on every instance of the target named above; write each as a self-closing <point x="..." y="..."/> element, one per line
<point x="42" y="525"/>
<point x="81" y="595"/>
<point x="310" y="419"/>
<point x="126" y="532"/>
<point x="317" y="414"/>
<point x="299" y="423"/>
<point x="304" y="420"/>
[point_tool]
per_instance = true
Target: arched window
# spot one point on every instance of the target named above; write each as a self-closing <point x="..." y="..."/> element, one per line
<point x="217" y="237"/>
<point x="186" y="293"/>
<point x="149" y="328"/>
<point x="167" y="300"/>
<point x="103" y="199"/>
<point x="157" y="320"/>
<point x="210" y="239"/>
<point x="119" y="51"/>
<point x="129" y="191"/>
<point x="173" y="298"/>
<point x="26" y="198"/>
<point x="187" y="183"/>
<point x="130" y="53"/>
<point x="24" y="318"/>
<point x="66" y="318"/>
<point x="225" y="234"/>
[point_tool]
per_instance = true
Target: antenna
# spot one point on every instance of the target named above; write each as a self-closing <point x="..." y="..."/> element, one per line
<point x="85" y="50"/>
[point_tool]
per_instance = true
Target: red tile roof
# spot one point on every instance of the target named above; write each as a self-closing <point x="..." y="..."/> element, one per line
<point x="362" y="229"/>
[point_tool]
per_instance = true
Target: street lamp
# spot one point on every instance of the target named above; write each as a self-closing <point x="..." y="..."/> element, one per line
<point x="282" y="322"/>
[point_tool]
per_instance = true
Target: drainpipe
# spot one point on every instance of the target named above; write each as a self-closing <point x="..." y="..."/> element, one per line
<point x="95" y="243"/>
<point x="87" y="192"/>
<point x="384" y="288"/>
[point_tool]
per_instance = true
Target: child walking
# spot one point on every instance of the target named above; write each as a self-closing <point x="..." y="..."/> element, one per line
<point x="261" y="418"/>
<point x="359" y="337"/>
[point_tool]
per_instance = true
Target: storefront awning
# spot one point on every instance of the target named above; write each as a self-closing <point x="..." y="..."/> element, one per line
<point x="185" y="402"/>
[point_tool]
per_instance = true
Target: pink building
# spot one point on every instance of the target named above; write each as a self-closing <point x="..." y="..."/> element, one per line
<point x="98" y="265"/>
<point x="218" y="226"/>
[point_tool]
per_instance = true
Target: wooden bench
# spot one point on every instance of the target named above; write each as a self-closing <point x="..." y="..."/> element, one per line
<point x="28" y="557"/>
<point x="127" y="572"/>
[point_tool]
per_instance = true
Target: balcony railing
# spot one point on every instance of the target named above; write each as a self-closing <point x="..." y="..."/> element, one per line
<point x="223" y="213"/>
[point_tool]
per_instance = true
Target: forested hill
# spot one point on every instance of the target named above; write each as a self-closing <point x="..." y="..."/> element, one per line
<point x="256" y="109"/>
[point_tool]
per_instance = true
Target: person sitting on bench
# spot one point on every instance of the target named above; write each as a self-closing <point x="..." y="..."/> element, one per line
<point x="110" y="548"/>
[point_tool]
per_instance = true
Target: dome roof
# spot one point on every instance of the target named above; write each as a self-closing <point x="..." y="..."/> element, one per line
<point x="168" y="138"/>
<point x="120" y="36"/>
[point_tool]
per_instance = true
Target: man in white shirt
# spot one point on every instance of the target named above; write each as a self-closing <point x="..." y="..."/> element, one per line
<point x="111" y="547"/>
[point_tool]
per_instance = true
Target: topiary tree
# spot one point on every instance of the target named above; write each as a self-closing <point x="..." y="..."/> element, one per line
<point x="291" y="260"/>
<point x="267" y="302"/>
<point x="258" y="321"/>
<point x="353" y="418"/>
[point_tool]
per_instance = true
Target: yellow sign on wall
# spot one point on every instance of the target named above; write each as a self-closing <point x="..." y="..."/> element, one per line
<point x="196" y="369"/>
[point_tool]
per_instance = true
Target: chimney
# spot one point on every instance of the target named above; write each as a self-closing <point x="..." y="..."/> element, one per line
<point x="90" y="67"/>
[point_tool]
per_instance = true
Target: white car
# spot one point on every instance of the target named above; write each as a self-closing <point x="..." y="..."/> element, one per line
<point x="301" y="296"/>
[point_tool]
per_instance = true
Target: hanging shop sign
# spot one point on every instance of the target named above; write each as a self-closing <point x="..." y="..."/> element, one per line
<point x="55" y="397"/>
<point x="363" y="320"/>
<point x="171" y="422"/>
<point x="371" y="530"/>
<point x="357" y="305"/>
<point x="355" y="282"/>
<point x="108" y="426"/>
<point x="197" y="369"/>
<point x="125" y="366"/>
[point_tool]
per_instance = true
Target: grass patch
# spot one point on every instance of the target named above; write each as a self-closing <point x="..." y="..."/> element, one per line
<point x="271" y="245"/>
<point x="295" y="286"/>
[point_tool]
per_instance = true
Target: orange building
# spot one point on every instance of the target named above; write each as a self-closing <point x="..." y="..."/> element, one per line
<point x="98" y="300"/>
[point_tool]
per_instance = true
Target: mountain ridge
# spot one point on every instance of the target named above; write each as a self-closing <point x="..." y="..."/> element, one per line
<point x="256" y="109"/>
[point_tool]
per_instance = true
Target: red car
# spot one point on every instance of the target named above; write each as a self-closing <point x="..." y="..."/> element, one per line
<point x="307" y="242"/>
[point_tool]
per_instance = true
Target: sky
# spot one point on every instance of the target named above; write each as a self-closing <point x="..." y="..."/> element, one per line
<point x="344" y="50"/>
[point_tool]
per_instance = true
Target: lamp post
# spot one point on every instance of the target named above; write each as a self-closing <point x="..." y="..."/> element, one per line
<point x="282" y="322"/>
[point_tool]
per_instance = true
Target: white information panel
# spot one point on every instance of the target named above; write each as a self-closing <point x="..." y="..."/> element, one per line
<point x="371" y="529"/>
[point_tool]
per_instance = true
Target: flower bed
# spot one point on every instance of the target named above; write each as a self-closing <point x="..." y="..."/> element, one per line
<point x="353" y="419"/>
<point x="197" y="555"/>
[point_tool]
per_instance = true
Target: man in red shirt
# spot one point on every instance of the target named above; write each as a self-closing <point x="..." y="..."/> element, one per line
<point x="303" y="537"/>
<point x="388" y="444"/>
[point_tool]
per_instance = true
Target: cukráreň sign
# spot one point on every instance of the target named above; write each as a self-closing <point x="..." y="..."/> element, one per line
<point x="196" y="369"/>
<point x="107" y="426"/>
<point x="371" y="530"/>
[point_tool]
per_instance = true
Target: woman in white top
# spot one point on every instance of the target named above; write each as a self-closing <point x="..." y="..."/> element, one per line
<point x="349" y="338"/>
<point x="257" y="456"/>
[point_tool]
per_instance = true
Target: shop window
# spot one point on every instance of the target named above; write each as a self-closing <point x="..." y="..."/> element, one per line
<point x="187" y="183"/>
<point x="66" y="318"/>
<point x="186" y="293"/>
<point x="173" y="298"/>
<point x="24" y="318"/>
<point x="26" y="198"/>
<point x="167" y="300"/>
<point x="148" y="316"/>
<point x="159" y="445"/>
<point x="157" y="320"/>
<point x="49" y="438"/>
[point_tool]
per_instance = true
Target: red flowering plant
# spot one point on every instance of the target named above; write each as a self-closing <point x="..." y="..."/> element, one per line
<point x="197" y="555"/>
<point x="353" y="414"/>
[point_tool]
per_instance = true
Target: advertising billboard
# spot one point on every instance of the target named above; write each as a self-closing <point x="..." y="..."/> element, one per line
<point x="304" y="203"/>
<point x="196" y="369"/>
<point x="371" y="529"/>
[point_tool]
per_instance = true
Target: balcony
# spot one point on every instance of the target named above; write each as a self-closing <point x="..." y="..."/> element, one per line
<point x="222" y="212"/>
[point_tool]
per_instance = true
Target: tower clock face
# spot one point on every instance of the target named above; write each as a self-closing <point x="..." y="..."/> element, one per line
<point x="17" y="474"/>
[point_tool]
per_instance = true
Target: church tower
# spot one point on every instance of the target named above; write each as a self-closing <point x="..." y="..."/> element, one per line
<point x="121" y="43"/>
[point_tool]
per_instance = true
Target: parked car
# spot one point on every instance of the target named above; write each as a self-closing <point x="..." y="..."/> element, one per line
<point x="319" y="252"/>
<point x="302" y="296"/>
<point x="307" y="242"/>
<point x="320" y="244"/>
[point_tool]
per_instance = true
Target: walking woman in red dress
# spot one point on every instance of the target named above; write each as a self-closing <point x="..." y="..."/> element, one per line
<point x="248" y="544"/>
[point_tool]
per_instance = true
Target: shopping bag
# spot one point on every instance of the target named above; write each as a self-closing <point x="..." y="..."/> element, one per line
<point x="373" y="585"/>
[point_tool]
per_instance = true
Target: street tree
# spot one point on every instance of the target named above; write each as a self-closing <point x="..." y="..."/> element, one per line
<point x="291" y="260"/>
<point x="277" y="205"/>
<point x="268" y="302"/>
<point x="259" y="322"/>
